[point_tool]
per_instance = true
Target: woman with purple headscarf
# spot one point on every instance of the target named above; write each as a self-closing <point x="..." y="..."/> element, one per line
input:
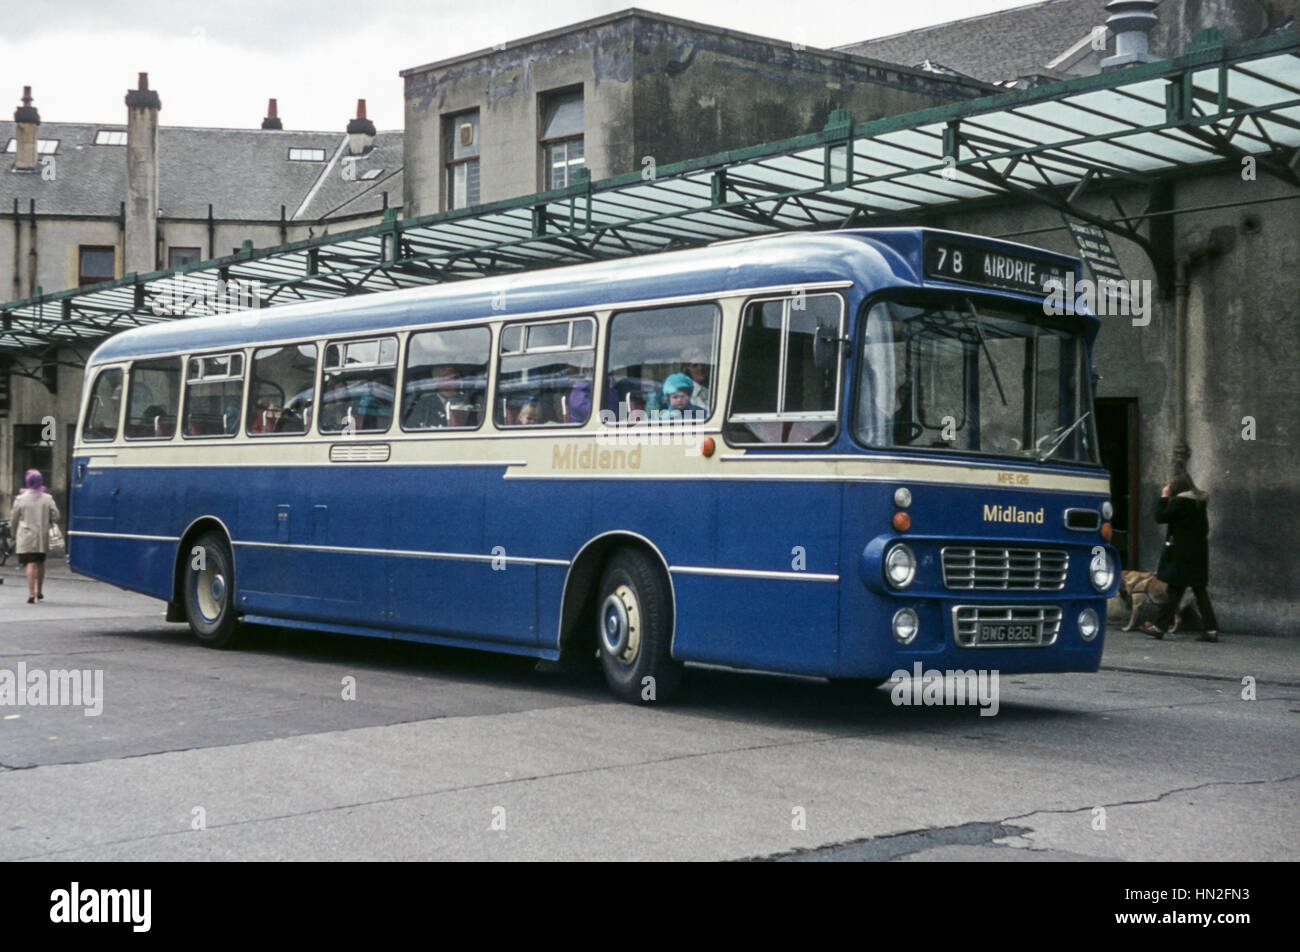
<point x="33" y="513"/>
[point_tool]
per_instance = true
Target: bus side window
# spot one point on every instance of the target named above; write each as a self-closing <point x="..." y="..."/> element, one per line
<point x="657" y="348"/>
<point x="359" y="386"/>
<point x="445" y="386"/>
<point x="783" y="393"/>
<point x="546" y="373"/>
<point x="214" y="394"/>
<point x="282" y="390"/>
<point x="103" y="408"/>
<point x="155" y="396"/>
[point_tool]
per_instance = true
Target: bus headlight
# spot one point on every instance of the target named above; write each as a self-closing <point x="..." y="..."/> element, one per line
<point x="902" y="497"/>
<point x="1101" y="572"/>
<point x="905" y="626"/>
<point x="1088" y="625"/>
<point x="1107" y="510"/>
<point x="900" y="566"/>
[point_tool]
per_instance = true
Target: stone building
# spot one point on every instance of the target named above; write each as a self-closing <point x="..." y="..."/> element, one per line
<point x="614" y="94"/>
<point x="82" y="203"/>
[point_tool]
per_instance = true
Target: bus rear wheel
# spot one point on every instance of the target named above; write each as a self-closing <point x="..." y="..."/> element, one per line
<point x="210" y="592"/>
<point x="634" y="630"/>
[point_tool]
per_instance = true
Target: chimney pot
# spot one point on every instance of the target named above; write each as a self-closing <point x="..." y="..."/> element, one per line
<point x="361" y="131"/>
<point x="272" y="120"/>
<point x="143" y="97"/>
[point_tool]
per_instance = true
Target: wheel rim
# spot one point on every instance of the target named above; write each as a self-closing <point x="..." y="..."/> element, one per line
<point x="620" y="625"/>
<point x="210" y="589"/>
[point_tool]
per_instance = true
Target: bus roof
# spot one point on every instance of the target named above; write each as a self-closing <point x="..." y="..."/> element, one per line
<point x="870" y="258"/>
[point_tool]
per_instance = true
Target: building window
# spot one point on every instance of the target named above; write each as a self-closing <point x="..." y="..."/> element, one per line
<point x="460" y="132"/>
<point x="561" y="138"/>
<point x="110" y="137"/>
<point x="306" y="155"/>
<point x="183" y="257"/>
<point x="95" y="264"/>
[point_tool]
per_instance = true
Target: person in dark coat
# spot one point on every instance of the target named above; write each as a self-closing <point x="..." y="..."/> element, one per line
<point x="1184" y="563"/>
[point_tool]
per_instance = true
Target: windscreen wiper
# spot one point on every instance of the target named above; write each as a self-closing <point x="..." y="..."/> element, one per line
<point x="1061" y="439"/>
<point x="979" y="332"/>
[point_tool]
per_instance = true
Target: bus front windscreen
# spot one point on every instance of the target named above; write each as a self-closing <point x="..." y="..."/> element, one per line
<point x="966" y="377"/>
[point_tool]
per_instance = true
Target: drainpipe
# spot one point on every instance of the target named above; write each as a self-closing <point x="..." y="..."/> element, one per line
<point x="1200" y="250"/>
<point x="18" y="258"/>
<point x="32" y="260"/>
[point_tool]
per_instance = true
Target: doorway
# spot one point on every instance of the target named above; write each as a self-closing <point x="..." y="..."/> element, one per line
<point x="1117" y="437"/>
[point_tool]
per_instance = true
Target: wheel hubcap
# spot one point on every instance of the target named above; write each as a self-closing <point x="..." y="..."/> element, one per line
<point x="620" y="625"/>
<point x="210" y="590"/>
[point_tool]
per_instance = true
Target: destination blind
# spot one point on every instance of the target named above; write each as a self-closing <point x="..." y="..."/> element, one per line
<point x="954" y="260"/>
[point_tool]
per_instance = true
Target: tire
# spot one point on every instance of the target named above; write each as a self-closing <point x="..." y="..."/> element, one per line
<point x="210" y="592"/>
<point x="634" y="629"/>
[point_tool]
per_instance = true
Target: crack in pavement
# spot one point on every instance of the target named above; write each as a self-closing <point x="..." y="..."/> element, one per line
<point x="891" y="846"/>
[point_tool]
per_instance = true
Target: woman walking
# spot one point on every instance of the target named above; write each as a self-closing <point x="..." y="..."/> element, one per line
<point x="33" y="513"/>
<point x="1184" y="563"/>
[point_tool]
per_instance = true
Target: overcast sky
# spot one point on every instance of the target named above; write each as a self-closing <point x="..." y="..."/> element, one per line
<point x="216" y="64"/>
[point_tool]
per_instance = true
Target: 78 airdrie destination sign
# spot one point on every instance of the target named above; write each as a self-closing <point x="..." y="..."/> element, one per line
<point x="969" y="263"/>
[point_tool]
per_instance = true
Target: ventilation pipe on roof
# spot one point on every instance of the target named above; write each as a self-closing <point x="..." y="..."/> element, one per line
<point x="361" y="132"/>
<point x="272" y="120"/>
<point x="141" y="225"/>
<point x="1131" y="22"/>
<point x="27" y="119"/>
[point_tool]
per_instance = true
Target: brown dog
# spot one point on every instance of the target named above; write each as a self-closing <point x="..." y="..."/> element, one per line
<point x="1136" y="586"/>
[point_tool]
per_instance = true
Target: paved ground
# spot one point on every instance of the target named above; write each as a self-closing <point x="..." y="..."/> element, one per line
<point x="448" y="754"/>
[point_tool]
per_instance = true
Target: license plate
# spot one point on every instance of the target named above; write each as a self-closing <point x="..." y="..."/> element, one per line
<point x="1010" y="633"/>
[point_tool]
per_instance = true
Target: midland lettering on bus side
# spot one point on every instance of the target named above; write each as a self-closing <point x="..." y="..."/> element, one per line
<point x="594" y="457"/>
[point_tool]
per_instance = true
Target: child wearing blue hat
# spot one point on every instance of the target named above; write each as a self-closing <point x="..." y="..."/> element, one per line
<point x="678" y="389"/>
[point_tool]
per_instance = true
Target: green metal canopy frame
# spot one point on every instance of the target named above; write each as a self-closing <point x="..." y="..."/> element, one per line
<point x="1216" y="105"/>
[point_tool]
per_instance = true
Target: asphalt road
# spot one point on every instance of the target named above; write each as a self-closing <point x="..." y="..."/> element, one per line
<point x="448" y="754"/>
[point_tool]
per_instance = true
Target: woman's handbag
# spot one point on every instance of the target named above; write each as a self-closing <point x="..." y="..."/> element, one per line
<point x="56" y="537"/>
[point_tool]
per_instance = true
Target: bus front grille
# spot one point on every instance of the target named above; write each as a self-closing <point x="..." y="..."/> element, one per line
<point x="972" y="568"/>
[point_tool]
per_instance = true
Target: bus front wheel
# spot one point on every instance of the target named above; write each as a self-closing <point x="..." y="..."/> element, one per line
<point x="210" y="591"/>
<point x="635" y="630"/>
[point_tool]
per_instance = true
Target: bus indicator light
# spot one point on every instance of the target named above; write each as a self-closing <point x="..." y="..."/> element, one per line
<point x="1105" y="532"/>
<point x="902" y="522"/>
<point x="707" y="446"/>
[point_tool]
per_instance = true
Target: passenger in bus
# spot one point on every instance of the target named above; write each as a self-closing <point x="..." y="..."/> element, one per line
<point x="699" y="374"/>
<point x="266" y="417"/>
<point x="578" y="405"/>
<point x="448" y="404"/>
<point x="678" y="389"/>
<point x="334" y="408"/>
<point x="374" y="408"/>
<point x="529" y="414"/>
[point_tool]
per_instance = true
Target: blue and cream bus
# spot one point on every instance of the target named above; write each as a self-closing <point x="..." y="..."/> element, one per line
<point x="832" y="454"/>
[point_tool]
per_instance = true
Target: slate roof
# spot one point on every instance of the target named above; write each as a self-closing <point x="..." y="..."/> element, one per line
<point x="1049" y="38"/>
<point x="996" y="46"/>
<point x="245" y="174"/>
